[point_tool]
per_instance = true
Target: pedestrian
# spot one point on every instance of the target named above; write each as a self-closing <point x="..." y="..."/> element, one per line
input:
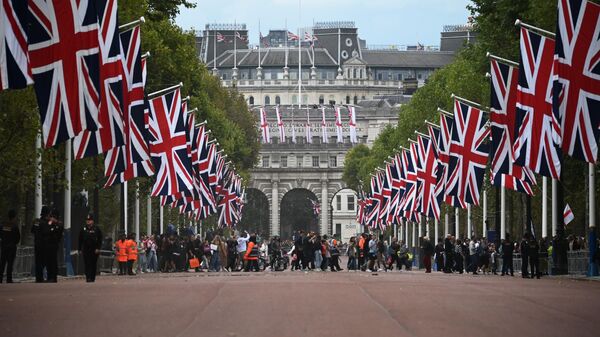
<point x="439" y="255"/>
<point x="459" y="257"/>
<point x="151" y="254"/>
<point x="10" y="236"/>
<point x="334" y="262"/>
<point x="121" y="253"/>
<point x="132" y="253"/>
<point x="361" y="251"/>
<point x="428" y="251"/>
<point x="316" y="251"/>
<point x="90" y="242"/>
<point x="393" y="255"/>
<point x="473" y="256"/>
<point x="448" y="253"/>
<point x="372" y="253"/>
<point x="534" y="257"/>
<point x="52" y="232"/>
<point x="507" y="247"/>
<point x="232" y="254"/>
<point x="524" y="249"/>
<point x="380" y="253"/>
<point x="38" y="246"/>
<point x="351" y="252"/>
<point x="252" y="254"/>
<point x="242" y="242"/>
<point x="142" y="256"/>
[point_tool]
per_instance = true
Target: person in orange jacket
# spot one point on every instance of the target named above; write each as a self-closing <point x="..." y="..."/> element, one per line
<point x="132" y="253"/>
<point x="252" y="254"/>
<point x="121" y="253"/>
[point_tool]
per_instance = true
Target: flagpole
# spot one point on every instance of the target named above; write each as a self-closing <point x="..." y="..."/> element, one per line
<point x="160" y="219"/>
<point x="149" y="215"/>
<point x="593" y="267"/>
<point x="38" y="175"/>
<point x="299" y="55"/>
<point x="436" y="230"/>
<point x="137" y="211"/>
<point x="259" y="69"/>
<point x="484" y="227"/>
<point x="124" y="190"/>
<point x="554" y="207"/>
<point x="469" y="222"/>
<point x="502" y="213"/>
<point x="544" y="207"/>
<point x="456" y="222"/>
<point x="214" y="50"/>
<point x="67" y="208"/>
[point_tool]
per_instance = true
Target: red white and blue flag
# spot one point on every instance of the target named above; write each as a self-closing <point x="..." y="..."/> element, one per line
<point x="538" y="129"/>
<point x="280" y="125"/>
<point x="168" y="145"/>
<point x="427" y="179"/>
<point x="338" y="125"/>
<point x="469" y="152"/>
<point x="112" y="101"/>
<point x="292" y="37"/>
<point x="264" y="125"/>
<point x="65" y="62"/>
<point x="577" y="77"/>
<point x="352" y="124"/>
<point x="15" y="71"/>
<point x="132" y="159"/>
<point x="409" y="160"/>
<point x="505" y="172"/>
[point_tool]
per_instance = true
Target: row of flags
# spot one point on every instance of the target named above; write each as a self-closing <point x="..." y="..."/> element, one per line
<point x="266" y="135"/>
<point x="543" y="106"/>
<point x="89" y="77"/>
<point x="290" y="37"/>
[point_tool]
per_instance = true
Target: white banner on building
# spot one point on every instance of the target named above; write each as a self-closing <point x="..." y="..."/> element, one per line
<point x="338" y="125"/>
<point x="324" y="127"/>
<point x="352" y="115"/>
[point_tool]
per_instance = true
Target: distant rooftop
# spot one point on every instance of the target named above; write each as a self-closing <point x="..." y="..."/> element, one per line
<point x="225" y="26"/>
<point x="458" y="28"/>
<point x="334" y="24"/>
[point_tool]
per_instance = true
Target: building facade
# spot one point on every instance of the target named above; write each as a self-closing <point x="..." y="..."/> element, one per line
<point x="300" y="78"/>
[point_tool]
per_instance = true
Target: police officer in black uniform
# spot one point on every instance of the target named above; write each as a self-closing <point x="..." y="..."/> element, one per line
<point x="507" y="256"/>
<point x="534" y="257"/>
<point x="90" y="242"/>
<point x="10" y="235"/>
<point x="38" y="248"/>
<point x="51" y="231"/>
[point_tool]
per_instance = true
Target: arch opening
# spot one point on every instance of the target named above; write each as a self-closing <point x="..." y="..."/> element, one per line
<point x="297" y="212"/>
<point x="255" y="214"/>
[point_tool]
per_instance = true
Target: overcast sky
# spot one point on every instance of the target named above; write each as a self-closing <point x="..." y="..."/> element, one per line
<point x="401" y="22"/>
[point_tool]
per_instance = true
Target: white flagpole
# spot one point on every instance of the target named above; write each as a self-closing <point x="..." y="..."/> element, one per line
<point x="286" y="45"/>
<point x="456" y="222"/>
<point x="544" y="206"/>
<point x="149" y="216"/>
<point x="38" y="175"/>
<point x="67" y="208"/>
<point x="161" y="219"/>
<point x="259" y="42"/>
<point x="137" y="211"/>
<point x="299" y="56"/>
<point x="215" y="50"/>
<point x="469" y="223"/>
<point x="124" y="186"/>
<point x="484" y="227"/>
<point x="502" y="213"/>
<point x="235" y="45"/>
<point x="446" y="223"/>
<point x="436" y="230"/>
<point x="554" y="207"/>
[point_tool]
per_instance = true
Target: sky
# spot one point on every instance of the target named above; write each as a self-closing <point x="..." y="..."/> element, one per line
<point x="380" y="22"/>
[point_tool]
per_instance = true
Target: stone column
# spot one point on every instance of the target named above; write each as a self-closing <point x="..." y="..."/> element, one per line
<point x="275" y="228"/>
<point x="324" y="207"/>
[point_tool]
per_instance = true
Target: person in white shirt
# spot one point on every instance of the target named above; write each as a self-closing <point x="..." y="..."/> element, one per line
<point x="242" y="243"/>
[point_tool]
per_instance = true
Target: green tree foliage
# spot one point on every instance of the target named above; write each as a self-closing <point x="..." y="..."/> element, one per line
<point x="174" y="59"/>
<point x="494" y="22"/>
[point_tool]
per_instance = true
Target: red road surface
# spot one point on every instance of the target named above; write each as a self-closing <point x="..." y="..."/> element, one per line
<point x="295" y="304"/>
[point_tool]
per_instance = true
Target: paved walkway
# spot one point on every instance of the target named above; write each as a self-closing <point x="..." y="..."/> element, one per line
<point x="299" y="304"/>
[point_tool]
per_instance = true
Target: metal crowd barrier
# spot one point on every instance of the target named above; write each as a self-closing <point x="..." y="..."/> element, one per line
<point x="578" y="263"/>
<point x="24" y="262"/>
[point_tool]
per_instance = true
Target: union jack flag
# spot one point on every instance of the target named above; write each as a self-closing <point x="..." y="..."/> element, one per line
<point x="435" y="134"/>
<point x="132" y="159"/>
<point x="292" y="37"/>
<point x="220" y="37"/>
<point x="427" y="179"/>
<point x="409" y="160"/>
<point x="168" y="145"/>
<point x="446" y="127"/>
<point x="280" y="125"/>
<point x="386" y="196"/>
<point x="376" y="200"/>
<point x="63" y="51"/>
<point x="316" y="207"/>
<point x="361" y="210"/>
<point x="227" y="205"/>
<point x="504" y="78"/>
<point x="398" y="183"/>
<point x="112" y="100"/>
<point x="577" y="77"/>
<point x="469" y="153"/>
<point x="15" y="71"/>
<point x="239" y="36"/>
<point x="538" y="129"/>
<point x="202" y="167"/>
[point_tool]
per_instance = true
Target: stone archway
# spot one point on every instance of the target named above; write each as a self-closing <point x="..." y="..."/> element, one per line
<point x="297" y="212"/>
<point x="255" y="214"/>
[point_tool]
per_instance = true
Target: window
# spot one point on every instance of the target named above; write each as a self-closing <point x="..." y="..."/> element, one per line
<point x="304" y="99"/>
<point x="224" y="77"/>
<point x="347" y="99"/>
<point x="299" y="160"/>
<point x="350" y="202"/>
<point x="399" y="78"/>
<point x="354" y="73"/>
<point x="284" y="162"/>
<point x="338" y="229"/>
<point x="361" y="73"/>
<point x="321" y="99"/>
<point x="294" y="99"/>
<point x="355" y="100"/>
<point x="338" y="202"/>
<point x="251" y="100"/>
<point x="420" y="76"/>
<point x="379" y="76"/>
<point x="333" y="161"/>
<point x="267" y="100"/>
<point x="315" y="161"/>
<point x="277" y="100"/>
<point x="265" y="161"/>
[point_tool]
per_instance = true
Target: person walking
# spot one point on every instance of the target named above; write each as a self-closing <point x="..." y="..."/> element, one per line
<point x="449" y="254"/>
<point x="507" y="247"/>
<point x="534" y="257"/>
<point x="351" y="252"/>
<point x="252" y="254"/>
<point x="10" y="236"/>
<point x="90" y="242"/>
<point x="473" y="256"/>
<point x="393" y="255"/>
<point x="242" y="242"/>
<point x="524" y="249"/>
<point x="52" y="232"/>
<point x="428" y="251"/>
<point x="38" y="246"/>
<point x="132" y="253"/>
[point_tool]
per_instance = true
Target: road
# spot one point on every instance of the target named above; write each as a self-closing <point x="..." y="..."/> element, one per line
<point x="295" y="304"/>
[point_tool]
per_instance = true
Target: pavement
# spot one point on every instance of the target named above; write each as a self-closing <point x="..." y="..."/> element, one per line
<point x="296" y="304"/>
